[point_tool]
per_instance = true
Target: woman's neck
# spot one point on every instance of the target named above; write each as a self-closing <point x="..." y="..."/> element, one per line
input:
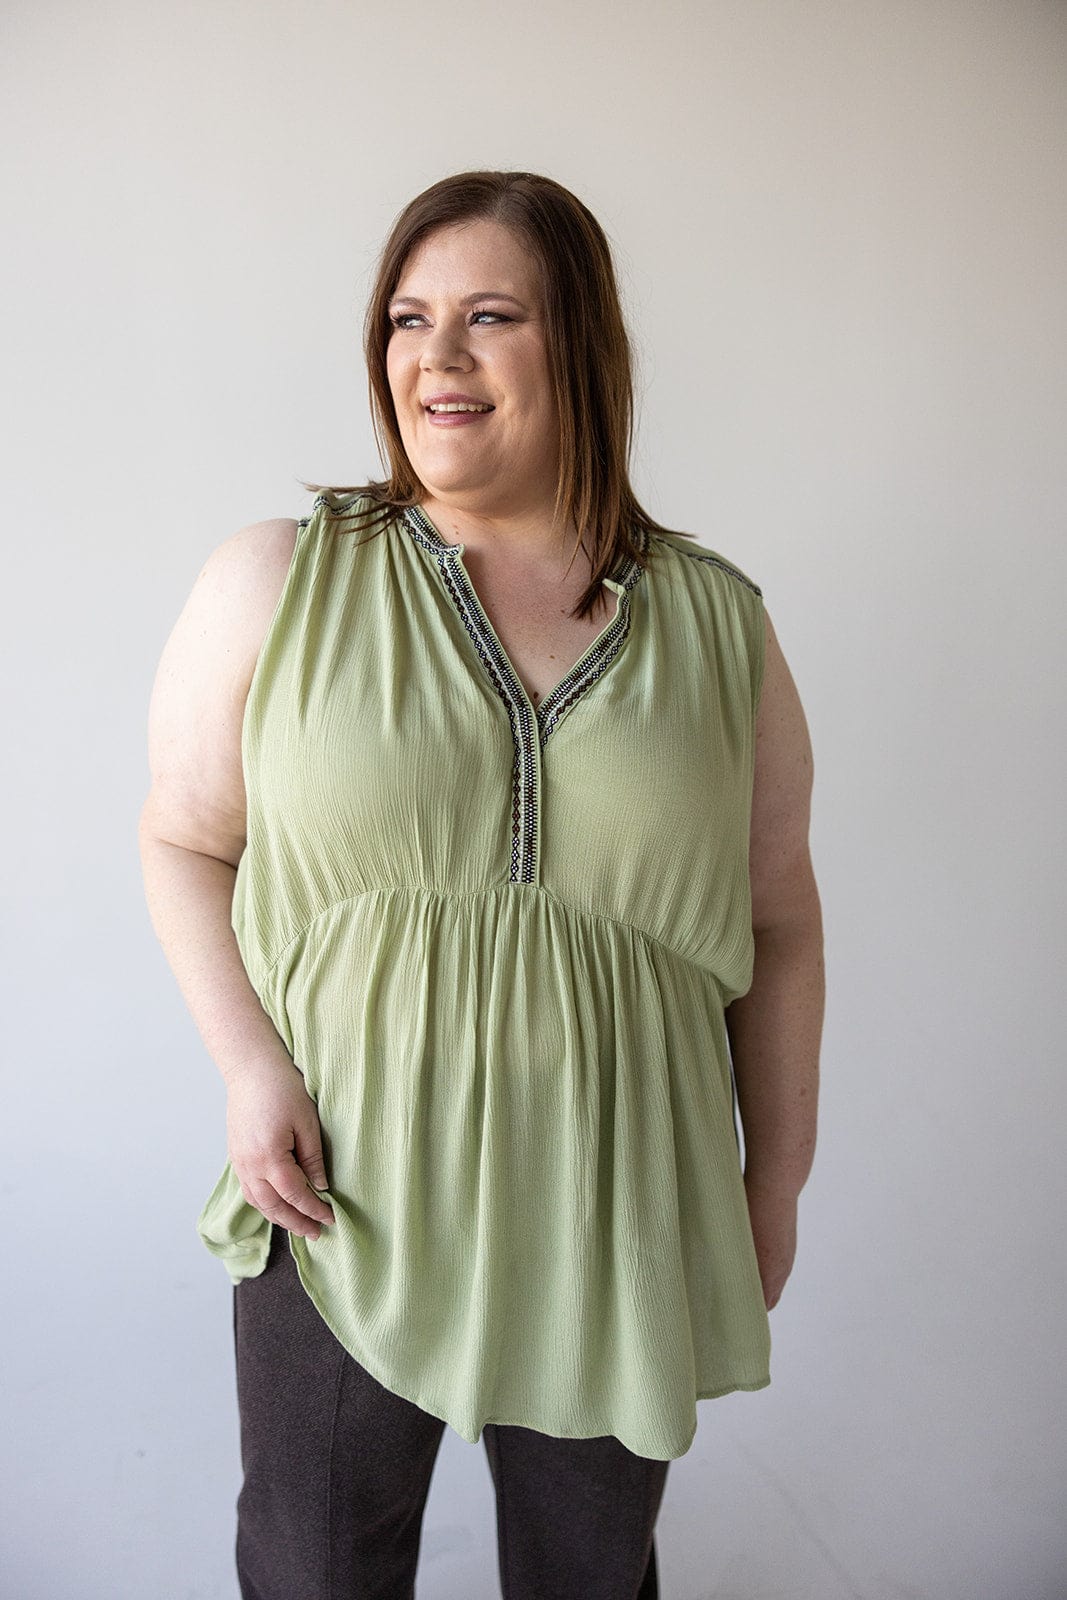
<point x="521" y="537"/>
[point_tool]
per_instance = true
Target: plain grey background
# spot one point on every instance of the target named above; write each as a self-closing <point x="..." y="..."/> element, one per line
<point x="841" y="233"/>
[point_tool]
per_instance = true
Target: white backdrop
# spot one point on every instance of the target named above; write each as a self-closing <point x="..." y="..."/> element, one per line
<point x="841" y="229"/>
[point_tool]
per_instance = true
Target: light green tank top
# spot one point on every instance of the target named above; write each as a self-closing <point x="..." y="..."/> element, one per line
<point x="497" y="941"/>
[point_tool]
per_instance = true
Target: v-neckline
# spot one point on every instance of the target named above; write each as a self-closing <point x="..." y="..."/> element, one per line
<point x="580" y="677"/>
<point x="530" y="728"/>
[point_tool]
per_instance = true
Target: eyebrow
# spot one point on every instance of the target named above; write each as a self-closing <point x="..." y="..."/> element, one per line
<point x="482" y="294"/>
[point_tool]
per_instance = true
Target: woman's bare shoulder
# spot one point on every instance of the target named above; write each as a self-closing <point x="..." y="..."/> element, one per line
<point x="243" y="578"/>
<point x="198" y="698"/>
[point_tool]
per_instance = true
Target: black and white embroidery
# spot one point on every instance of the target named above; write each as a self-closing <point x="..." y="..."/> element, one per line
<point x="530" y="729"/>
<point x="717" y="561"/>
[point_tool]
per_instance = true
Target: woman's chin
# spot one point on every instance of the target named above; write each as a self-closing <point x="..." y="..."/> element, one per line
<point x="447" y="478"/>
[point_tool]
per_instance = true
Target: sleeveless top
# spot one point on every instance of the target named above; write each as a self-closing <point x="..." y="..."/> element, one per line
<point x="497" y="941"/>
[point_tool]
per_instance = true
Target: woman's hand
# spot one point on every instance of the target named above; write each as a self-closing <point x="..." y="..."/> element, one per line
<point x="275" y="1145"/>
<point x="773" y="1215"/>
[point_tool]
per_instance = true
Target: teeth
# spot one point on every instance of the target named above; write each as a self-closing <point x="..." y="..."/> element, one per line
<point x="461" y="407"/>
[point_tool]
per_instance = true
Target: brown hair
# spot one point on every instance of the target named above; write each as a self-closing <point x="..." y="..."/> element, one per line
<point x="589" y="358"/>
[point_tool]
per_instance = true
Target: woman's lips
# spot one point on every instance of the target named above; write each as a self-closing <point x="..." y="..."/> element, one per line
<point x="455" y="419"/>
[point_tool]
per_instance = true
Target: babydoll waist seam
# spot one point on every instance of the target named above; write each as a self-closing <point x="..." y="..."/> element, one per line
<point x="475" y="894"/>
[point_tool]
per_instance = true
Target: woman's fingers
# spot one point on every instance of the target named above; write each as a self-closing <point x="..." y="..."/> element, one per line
<point x="289" y="1182"/>
<point x="287" y="1217"/>
<point x="269" y="1115"/>
<point x="275" y="1209"/>
<point x="307" y="1143"/>
<point x="283" y="1196"/>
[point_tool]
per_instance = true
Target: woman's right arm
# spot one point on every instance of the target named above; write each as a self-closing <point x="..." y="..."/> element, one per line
<point x="192" y="836"/>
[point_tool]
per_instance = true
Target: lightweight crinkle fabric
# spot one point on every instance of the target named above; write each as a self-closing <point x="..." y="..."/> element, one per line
<point x="497" y="941"/>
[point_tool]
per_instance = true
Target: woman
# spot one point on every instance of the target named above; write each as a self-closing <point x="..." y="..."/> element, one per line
<point x="521" y="864"/>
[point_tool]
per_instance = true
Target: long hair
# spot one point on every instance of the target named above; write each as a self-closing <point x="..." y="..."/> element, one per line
<point x="590" y="360"/>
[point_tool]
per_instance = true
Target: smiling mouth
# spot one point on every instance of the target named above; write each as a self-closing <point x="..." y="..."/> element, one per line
<point x="454" y="406"/>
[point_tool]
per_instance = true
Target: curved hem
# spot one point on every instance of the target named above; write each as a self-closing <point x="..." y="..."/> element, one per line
<point x="436" y="1410"/>
<point x="735" y="1388"/>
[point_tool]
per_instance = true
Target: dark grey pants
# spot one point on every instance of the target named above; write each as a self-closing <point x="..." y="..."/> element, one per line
<point x="337" y="1472"/>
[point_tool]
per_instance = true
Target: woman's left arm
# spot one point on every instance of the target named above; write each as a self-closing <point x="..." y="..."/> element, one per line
<point x="775" y="1029"/>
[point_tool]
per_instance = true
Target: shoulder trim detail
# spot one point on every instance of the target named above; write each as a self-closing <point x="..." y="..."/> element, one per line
<point x="336" y="502"/>
<point x="697" y="554"/>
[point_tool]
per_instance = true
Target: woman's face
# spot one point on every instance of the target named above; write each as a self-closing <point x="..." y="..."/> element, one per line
<point x="468" y="319"/>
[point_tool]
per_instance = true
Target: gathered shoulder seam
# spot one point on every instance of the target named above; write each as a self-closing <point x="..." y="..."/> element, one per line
<point x="712" y="558"/>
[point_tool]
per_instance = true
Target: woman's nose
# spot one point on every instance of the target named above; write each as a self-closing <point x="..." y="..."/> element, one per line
<point x="446" y="346"/>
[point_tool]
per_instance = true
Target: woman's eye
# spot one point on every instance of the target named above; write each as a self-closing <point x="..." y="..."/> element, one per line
<point x="403" y="319"/>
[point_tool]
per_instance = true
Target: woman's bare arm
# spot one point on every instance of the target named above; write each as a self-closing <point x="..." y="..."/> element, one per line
<point x="775" y="1029"/>
<point x="192" y="835"/>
